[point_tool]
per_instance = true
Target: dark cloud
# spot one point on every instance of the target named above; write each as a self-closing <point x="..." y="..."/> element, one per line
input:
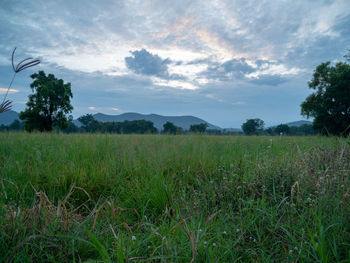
<point x="145" y="63"/>
<point x="235" y="68"/>
<point x="238" y="67"/>
<point x="268" y="80"/>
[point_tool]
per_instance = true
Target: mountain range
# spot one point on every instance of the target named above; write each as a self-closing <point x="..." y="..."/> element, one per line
<point x="182" y="121"/>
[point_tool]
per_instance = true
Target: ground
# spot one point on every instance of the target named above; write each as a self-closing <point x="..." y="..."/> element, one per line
<point x="159" y="198"/>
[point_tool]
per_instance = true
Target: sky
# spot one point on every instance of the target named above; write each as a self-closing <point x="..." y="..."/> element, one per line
<point x="222" y="61"/>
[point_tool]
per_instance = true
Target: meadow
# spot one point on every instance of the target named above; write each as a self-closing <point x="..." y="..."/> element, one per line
<point x="159" y="198"/>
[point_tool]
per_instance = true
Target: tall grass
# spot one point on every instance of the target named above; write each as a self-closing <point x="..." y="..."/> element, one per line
<point x="153" y="198"/>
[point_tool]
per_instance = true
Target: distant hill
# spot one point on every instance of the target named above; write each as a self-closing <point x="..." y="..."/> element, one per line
<point x="8" y="117"/>
<point x="298" y="123"/>
<point x="294" y="124"/>
<point x="182" y="121"/>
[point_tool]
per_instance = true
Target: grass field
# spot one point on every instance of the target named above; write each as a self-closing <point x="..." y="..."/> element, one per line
<point x="153" y="198"/>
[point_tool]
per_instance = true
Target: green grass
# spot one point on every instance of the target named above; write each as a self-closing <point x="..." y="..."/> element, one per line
<point x="152" y="198"/>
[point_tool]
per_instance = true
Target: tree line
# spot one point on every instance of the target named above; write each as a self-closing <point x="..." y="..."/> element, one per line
<point x="90" y="125"/>
<point x="256" y="127"/>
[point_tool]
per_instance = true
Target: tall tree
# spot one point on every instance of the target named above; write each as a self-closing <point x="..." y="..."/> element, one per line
<point x="49" y="105"/>
<point x="253" y="126"/>
<point x="330" y="103"/>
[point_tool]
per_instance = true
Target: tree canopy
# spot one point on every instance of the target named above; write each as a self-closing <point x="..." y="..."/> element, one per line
<point x="49" y="105"/>
<point x="198" y="128"/>
<point x="125" y="127"/>
<point x="253" y="126"/>
<point x="329" y="105"/>
<point x="282" y="128"/>
<point x="170" y="128"/>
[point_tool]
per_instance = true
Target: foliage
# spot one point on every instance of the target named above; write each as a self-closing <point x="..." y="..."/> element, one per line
<point x="16" y="125"/>
<point x="282" y="129"/>
<point x="330" y="103"/>
<point x="215" y="132"/>
<point x="145" y="198"/>
<point x="305" y="129"/>
<point x="50" y="104"/>
<point x="86" y="119"/>
<point x="253" y="126"/>
<point x="125" y="127"/>
<point x="198" y="128"/>
<point x="170" y="128"/>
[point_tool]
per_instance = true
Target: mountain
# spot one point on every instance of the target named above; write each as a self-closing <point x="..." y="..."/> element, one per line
<point x="8" y="117"/>
<point x="298" y="123"/>
<point x="182" y="121"/>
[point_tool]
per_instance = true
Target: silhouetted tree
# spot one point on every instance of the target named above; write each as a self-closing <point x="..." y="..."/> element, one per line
<point x="72" y="128"/>
<point x="16" y="125"/>
<point x="170" y="128"/>
<point x="49" y="105"/>
<point x="253" y="126"/>
<point x="330" y="103"/>
<point x="198" y="128"/>
<point x="88" y="123"/>
<point x="282" y="128"/>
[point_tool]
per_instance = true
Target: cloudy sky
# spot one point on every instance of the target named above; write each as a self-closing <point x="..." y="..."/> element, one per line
<point x="223" y="61"/>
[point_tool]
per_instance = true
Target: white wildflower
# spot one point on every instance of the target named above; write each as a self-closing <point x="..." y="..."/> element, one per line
<point x="133" y="238"/>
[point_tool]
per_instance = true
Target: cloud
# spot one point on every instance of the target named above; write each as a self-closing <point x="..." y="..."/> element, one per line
<point x="145" y="63"/>
<point x="175" y="84"/>
<point x="213" y="97"/>
<point x="92" y="108"/>
<point x="258" y="71"/>
<point x="269" y="80"/>
<point x="239" y="103"/>
<point x="4" y="90"/>
<point x="237" y="51"/>
<point x="114" y="109"/>
<point x="238" y="66"/>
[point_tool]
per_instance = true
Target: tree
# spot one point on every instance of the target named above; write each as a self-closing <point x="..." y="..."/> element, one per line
<point x="170" y="128"/>
<point x="282" y="128"/>
<point x="49" y="105"/>
<point x="86" y="119"/>
<point x="89" y="123"/>
<point x="198" y="128"/>
<point x="330" y="103"/>
<point x="253" y="126"/>
<point x="72" y="128"/>
<point x="16" y="125"/>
